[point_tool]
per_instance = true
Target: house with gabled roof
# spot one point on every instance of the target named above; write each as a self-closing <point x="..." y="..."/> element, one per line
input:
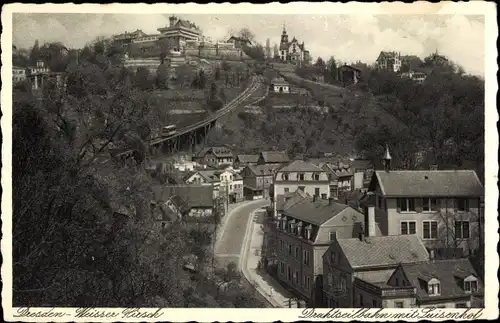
<point x="448" y="283"/>
<point x="442" y="207"/>
<point x="350" y="263"/>
<point x="183" y="202"/>
<point x="273" y="157"/>
<point x="389" y="61"/>
<point x="258" y="179"/>
<point x="208" y="177"/>
<point x="214" y="156"/>
<point x="239" y="42"/>
<point x="242" y="161"/>
<point x="303" y="231"/>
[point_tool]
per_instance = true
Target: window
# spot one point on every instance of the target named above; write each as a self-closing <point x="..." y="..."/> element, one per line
<point x="307" y="282"/>
<point x="323" y="196"/>
<point x="333" y="257"/>
<point x="290" y="249"/>
<point x="398" y="304"/>
<point x="282" y="268"/>
<point x="302" y="188"/>
<point x="316" y="191"/>
<point x="289" y="272"/>
<point x="301" y="176"/>
<point x="330" y="279"/>
<point x="408" y="227"/>
<point x="296" y="277"/>
<point x="282" y="245"/>
<point x="430" y="229"/>
<point x="396" y="281"/>
<point x="305" y="255"/>
<point x="380" y="202"/>
<point x="343" y="283"/>
<point x="332" y="235"/>
<point x="470" y="286"/>
<point x="297" y="252"/>
<point x="462" y="230"/>
<point x="284" y="177"/>
<point x="434" y="288"/>
<point x="463" y="205"/>
<point x="407" y="204"/>
<point x="429" y="204"/>
<point x="286" y="190"/>
<point x="316" y="177"/>
<point x="230" y="187"/>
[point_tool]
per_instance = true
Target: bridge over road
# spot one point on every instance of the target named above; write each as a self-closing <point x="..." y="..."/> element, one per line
<point x="194" y="134"/>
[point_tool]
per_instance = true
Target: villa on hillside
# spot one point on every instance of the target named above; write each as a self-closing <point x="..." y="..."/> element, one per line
<point x="389" y="61"/>
<point x="292" y="51"/>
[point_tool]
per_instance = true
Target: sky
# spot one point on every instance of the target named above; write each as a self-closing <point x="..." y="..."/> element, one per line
<point x="348" y="38"/>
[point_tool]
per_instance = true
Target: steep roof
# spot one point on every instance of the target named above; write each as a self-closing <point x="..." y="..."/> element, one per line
<point x="196" y="196"/>
<point x="445" y="183"/>
<point x="210" y="175"/>
<point x="287" y="200"/>
<point x="247" y="158"/>
<point x="450" y="274"/>
<point x="278" y="81"/>
<point x="217" y="151"/>
<point x="275" y="157"/>
<point x="301" y="166"/>
<point x="315" y="212"/>
<point x="266" y="170"/>
<point x="382" y="250"/>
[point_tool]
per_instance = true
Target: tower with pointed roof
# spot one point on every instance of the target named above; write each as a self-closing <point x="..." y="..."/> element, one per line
<point x="292" y="51"/>
<point x="387" y="159"/>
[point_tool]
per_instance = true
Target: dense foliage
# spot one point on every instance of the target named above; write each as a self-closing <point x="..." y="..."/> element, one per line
<point x="83" y="232"/>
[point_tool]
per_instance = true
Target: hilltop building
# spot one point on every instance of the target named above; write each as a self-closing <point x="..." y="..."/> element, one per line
<point x="179" y="31"/>
<point x="292" y="51"/>
<point x="389" y="61"/>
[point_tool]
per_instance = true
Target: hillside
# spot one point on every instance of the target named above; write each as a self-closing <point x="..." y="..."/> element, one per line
<point x="305" y="130"/>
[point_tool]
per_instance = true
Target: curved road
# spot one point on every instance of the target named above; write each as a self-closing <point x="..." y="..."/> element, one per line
<point x="229" y="246"/>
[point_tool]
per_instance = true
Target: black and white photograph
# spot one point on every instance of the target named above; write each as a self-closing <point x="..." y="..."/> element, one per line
<point x="187" y="157"/>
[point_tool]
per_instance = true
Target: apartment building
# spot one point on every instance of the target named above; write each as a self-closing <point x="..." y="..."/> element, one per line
<point x="231" y="185"/>
<point x="302" y="233"/>
<point x="303" y="176"/>
<point x="442" y="207"/>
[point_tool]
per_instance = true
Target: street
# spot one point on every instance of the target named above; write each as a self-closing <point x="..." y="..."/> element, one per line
<point x="229" y="247"/>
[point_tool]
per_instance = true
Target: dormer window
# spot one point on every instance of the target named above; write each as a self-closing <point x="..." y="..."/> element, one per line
<point x="470" y="284"/>
<point x="299" y="229"/>
<point x="434" y="287"/>
<point x="301" y="176"/>
<point x="308" y="232"/>
<point x="316" y="177"/>
<point x="284" y="177"/>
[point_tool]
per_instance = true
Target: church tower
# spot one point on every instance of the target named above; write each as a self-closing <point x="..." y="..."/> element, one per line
<point x="284" y="36"/>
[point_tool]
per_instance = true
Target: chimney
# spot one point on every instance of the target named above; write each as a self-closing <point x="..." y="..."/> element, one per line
<point x="361" y="235"/>
<point x="371" y="221"/>
<point x="387" y="159"/>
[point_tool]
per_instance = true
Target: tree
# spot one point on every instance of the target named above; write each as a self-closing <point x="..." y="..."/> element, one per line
<point x="331" y="72"/>
<point x="34" y="54"/>
<point x="202" y="79"/>
<point x="320" y="64"/>
<point x="255" y="52"/>
<point x="162" y="76"/>
<point x="143" y="79"/>
<point x="246" y="34"/>
<point x="217" y="73"/>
